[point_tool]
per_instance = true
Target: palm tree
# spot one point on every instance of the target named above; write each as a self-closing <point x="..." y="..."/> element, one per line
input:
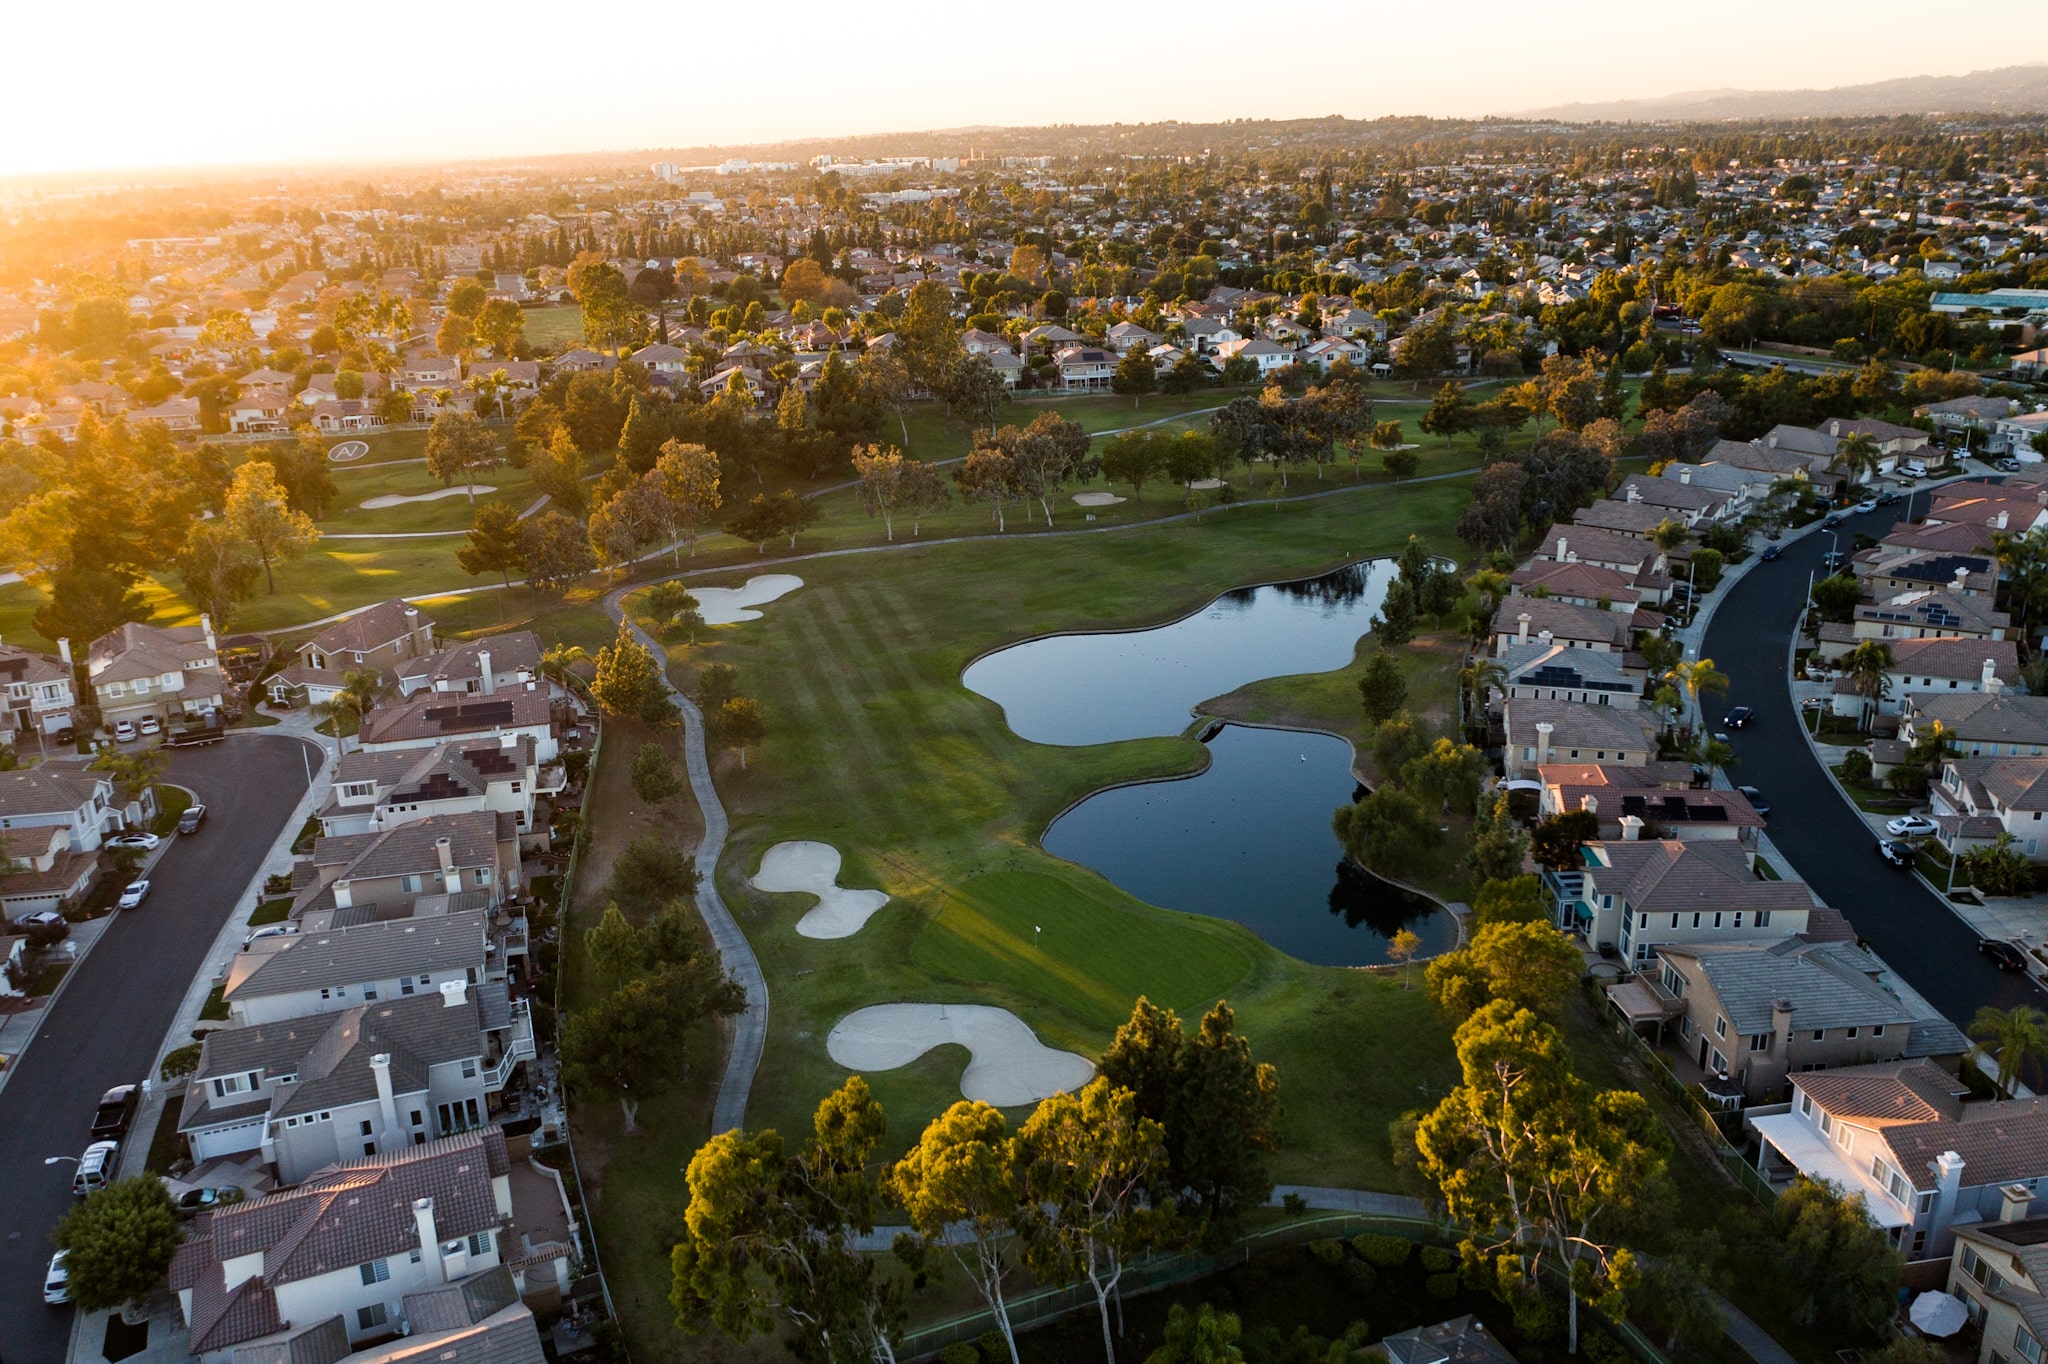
<point x="1694" y="678"/>
<point x="1668" y="534"/>
<point x="559" y="659"/>
<point x="491" y="388"/>
<point x="2015" y="1036"/>
<point x="1869" y="666"/>
<point x="1480" y="677"/>
<point x="2023" y="564"/>
<point x="361" y="690"/>
<point x="1856" y="458"/>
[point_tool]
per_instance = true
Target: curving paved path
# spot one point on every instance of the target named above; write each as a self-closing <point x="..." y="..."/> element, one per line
<point x="750" y="1029"/>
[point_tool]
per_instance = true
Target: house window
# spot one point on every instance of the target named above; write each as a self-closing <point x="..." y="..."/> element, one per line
<point x="418" y="1117"/>
<point x="1720" y="1026"/>
<point x="1685" y="1028"/>
<point x="410" y="884"/>
<point x="371" y="1317"/>
<point x="369" y="992"/>
<point x="2025" y="1346"/>
<point x="1695" y="919"/>
<point x="1820" y="1034"/>
<point x="366" y="1127"/>
<point x="1760" y="1042"/>
<point x="376" y="1271"/>
<point x="1877" y="1030"/>
<point x="1763" y="918"/>
<point x="1827" y="1123"/>
<point x="1738" y="918"/>
<point x="483" y="876"/>
<point x="469" y="1070"/>
<point x="480" y="1244"/>
<point x="405" y="985"/>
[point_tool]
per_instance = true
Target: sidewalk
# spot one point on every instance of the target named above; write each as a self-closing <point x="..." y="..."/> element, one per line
<point x="167" y="1335"/>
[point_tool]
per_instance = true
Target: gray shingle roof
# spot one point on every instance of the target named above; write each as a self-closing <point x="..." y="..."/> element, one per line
<point x="37" y="791"/>
<point x="370" y="628"/>
<point x="433" y="715"/>
<point x="1830" y="985"/>
<point x="373" y="951"/>
<point x="1666" y="876"/>
<point x="462" y="1303"/>
<point x="1979" y="717"/>
<point x="324" y="1342"/>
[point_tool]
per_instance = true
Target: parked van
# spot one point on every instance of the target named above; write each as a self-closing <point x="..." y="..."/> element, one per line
<point x="95" y="1168"/>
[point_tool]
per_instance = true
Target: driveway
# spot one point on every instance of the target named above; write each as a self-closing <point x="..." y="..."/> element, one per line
<point x="106" y="1026"/>
<point x="1827" y="840"/>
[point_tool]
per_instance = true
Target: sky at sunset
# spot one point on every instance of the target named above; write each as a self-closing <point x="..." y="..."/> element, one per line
<point x="126" y="84"/>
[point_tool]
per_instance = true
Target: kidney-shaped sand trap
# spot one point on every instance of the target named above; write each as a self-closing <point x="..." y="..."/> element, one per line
<point x="728" y="605"/>
<point x="813" y="869"/>
<point x="400" y="499"/>
<point x="1007" y="1064"/>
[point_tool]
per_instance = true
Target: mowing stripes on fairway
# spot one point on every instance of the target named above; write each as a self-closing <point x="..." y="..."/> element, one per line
<point x="854" y="720"/>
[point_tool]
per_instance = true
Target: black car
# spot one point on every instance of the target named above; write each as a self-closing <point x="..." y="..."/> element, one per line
<point x="1833" y="560"/>
<point x="1898" y="852"/>
<point x="2003" y="955"/>
<point x="1770" y="552"/>
<point x="1889" y="499"/>
<point x="1833" y="519"/>
<point x="1756" y="800"/>
<point x="117" y="1108"/>
<point x="1739" y="718"/>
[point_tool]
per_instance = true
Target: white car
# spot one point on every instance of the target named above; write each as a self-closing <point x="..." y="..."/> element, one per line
<point x="151" y="725"/>
<point x="140" y="839"/>
<point x="1910" y="826"/>
<point x="124" y="730"/>
<point x="57" y="1282"/>
<point x="1868" y="504"/>
<point x="133" y="896"/>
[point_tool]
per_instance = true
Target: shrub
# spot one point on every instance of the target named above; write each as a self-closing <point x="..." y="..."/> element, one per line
<point x="960" y="1352"/>
<point x="1329" y="1250"/>
<point x="1295" y="1204"/>
<point x="1442" y="1286"/>
<point x="180" y="1062"/>
<point x="993" y="1347"/>
<point x="1360" y="1277"/>
<point x="1603" y="1349"/>
<point x="1437" y="1260"/>
<point x="1388" y="1252"/>
<point x="1856" y="767"/>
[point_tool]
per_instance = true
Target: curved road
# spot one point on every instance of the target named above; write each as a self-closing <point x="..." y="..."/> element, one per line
<point x="106" y="1026"/>
<point x="750" y="1029"/>
<point x="1827" y="840"/>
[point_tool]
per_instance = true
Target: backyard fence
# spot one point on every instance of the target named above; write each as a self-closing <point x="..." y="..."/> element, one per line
<point x="1714" y="1125"/>
<point x="1166" y="1271"/>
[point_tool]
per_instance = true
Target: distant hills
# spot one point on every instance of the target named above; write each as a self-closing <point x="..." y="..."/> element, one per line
<point x="2006" y="90"/>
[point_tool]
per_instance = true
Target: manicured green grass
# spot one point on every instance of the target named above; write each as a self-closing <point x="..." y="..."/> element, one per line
<point x="165" y="1144"/>
<point x="1330" y="702"/>
<point x="215" y="1010"/>
<point x="876" y="748"/>
<point x="555" y="328"/>
<point x="49" y="978"/>
<point x="271" y="912"/>
<point x="172" y="802"/>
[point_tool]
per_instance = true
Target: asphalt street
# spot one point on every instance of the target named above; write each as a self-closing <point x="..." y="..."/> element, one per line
<point x="1827" y="841"/>
<point x="111" y="1017"/>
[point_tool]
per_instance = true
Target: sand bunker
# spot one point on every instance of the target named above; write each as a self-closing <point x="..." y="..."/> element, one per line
<point x="1007" y="1064"/>
<point x="728" y="605"/>
<point x="813" y="869"/>
<point x="1204" y="484"/>
<point x="1096" y="499"/>
<point x="349" y="451"/>
<point x="400" y="499"/>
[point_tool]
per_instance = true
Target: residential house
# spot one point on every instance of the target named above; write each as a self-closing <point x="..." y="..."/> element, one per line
<point x="475" y="1320"/>
<point x="975" y="341"/>
<point x="1979" y="799"/>
<point x="1754" y="1014"/>
<point x="1626" y="554"/>
<point x="1604" y="589"/>
<point x="1938" y="663"/>
<point x="180" y="416"/>
<point x="308" y="973"/>
<point x="364" y="1241"/>
<point x="1269" y="357"/>
<point x="377" y="638"/>
<point x="39" y="869"/>
<point x="1998" y="1270"/>
<point x="580" y="361"/>
<point x="1974" y="417"/>
<point x="662" y="360"/>
<point x="1979" y="724"/>
<point x="430" y="717"/>
<point x="1546" y="670"/>
<point x="1541" y="731"/>
<point x="1888" y="571"/>
<point x="1205" y="334"/>
<point x="423" y="371"/>
<point x="1051" y="338"/>
<point x="258" y="410"/>
<point x="495" y="663"/>
<point x="1328" y="351"/>
<point x="159" y="671"/>
<point x="1657" y="800"/>
<point x="1902" y="1135"/>
<point x="1126" y="336"/>
<point x="38" y="695"/>
<point x="1007" y="365"/>
<point x="1676" y="497"/>
<point x="1891" y="439"/>
<point x="1769" y="460"/>
<point x="465" y="859"/>
<point x="1085" y="369"/>
<point x="1461" y="1340"/>
<point x="1518" y="620"/>
<point x="382" y="790"/>
<point x="370" y="1079"/>
<point x="2019" y="434"/>
<point x="1638" y="895"/>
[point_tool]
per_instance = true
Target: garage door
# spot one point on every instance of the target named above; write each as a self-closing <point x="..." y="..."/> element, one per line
<point x="227" y="1141"/>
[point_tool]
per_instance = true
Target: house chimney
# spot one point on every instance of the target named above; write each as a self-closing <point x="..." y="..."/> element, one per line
<point x="2013" y="1202"/>
<point x="1781" y="1024"/>
<point x="1522" y="632"/>
<point x="1835" y="427"/>
<point x="430" y="1239"/>
<point x="445" y="850"/>
<point x="1631" y="828"/>
<point x="1990" y="676"/>
<point x="1543" y="637"/>
<point x="1685" y="475"/>
<point x="483" y="663"/>
<point x="1544" y="729"/>
<point x="1948" y="1182"/>
<point x="343" y="899"/>
<point x="1590" y="804"/>
<point x="2003" y="517"/>
<point x="387" y="1103"/>
<point x="453" y="993"/>
<point x="206" y="628"/>
<point x="1962" y="576"/>
<point x="64" y="651"/>
<point x="1634" y="494"/>
<point x="1563" y="553"/>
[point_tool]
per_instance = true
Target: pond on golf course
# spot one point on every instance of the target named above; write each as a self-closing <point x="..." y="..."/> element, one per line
<point x="1249" y="839"/>
<point x="1081" y="689"/>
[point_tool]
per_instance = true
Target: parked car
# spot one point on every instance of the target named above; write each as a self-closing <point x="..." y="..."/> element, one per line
<point x="1889" y="498"/>
<point x="269" y="931"/>
<point x="1756" y="800"/>
<point x="195" y="1201"/>
<point x="124" y="730"/>
<point x="1867" y="505"/>
<point x="1913" y="468"/>
<point x="1833" y="519"/>
<point x="67" y="735"/>
<point x="1897" y="852"/>
<point x="116" y="1111"/>
<point x="1770" y="553"/>
<point x="2003" y="955"/>
<point x="135" y="839"/>
<point x="1910" y="826"/>
<point x="95" y="1168"/>
<point x="133" y="896"/>
<point x="1739" y="718"/>
<point x="2009" y="465"/>
<point x="150" y="725"/>
<point x="189" y="822"/>
<point x="57" y="1280"/>
<point x="44" y="927"/>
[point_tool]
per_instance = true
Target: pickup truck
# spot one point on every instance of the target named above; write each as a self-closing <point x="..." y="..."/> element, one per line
<point x="195" y="736"/>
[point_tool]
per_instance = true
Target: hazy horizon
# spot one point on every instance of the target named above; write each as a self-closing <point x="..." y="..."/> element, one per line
<point x="392" y="84"/>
